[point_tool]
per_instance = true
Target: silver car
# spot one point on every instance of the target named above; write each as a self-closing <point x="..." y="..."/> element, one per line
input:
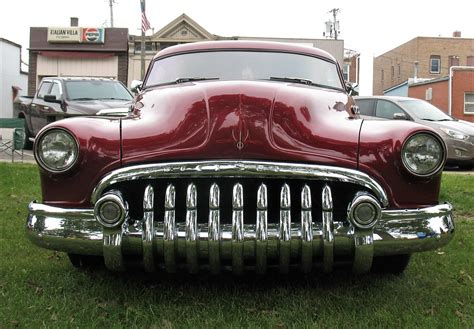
<point x="458" y="135"/>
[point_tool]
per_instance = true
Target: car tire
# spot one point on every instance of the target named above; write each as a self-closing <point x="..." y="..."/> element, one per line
<point x="28" y="145"/>
<point x="86" y="261"/>
<point x="394" y="264"/>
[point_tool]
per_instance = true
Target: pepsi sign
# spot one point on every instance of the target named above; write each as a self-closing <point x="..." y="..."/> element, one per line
<point x="93" y="35"/>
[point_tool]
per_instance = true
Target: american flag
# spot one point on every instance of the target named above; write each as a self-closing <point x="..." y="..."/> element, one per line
<point x="145" y="23"/>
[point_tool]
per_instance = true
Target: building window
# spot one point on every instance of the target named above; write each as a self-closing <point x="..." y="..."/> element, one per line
<point x="393" y="71"/>
<point x="149" y="46"/>
<point x="453" y="61"/>
<point x="383" y="75"/>
<point x="470" y="61"/>
<point x="399" y="70"/>
<point x="435" y="64"/>
<point x="345" y="71"/>
<point x="469" y="103"/>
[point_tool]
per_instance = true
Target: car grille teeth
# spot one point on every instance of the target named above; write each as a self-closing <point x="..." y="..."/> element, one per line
<point x="261" y="230"/>
<point x="240" y="244"/>
<point x="148" y="229"/>
<point x="191" y="233"/>
<point x="285" y="228"/>
<point x="306" y="230"/>
<point x="214" y="233"/>
<point x="170" y="235"/>
<point x="328" y="229"/>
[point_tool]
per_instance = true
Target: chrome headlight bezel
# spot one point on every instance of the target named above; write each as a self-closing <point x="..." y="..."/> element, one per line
<point x="435" y="169"/>
<point x="40" y="157"/>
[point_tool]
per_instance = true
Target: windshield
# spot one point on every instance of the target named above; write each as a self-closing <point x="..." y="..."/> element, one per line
<point x="244" y="65"/>
<point x="96" y="89"/>
<point x="425" y="111"/>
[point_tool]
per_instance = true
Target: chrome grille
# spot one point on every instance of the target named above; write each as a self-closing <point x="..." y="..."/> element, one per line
<point x="222" y="241"/>
<point x="234" y="218"/>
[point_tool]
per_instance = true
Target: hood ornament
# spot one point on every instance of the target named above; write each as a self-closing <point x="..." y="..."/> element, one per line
<point x="240" y="134"/>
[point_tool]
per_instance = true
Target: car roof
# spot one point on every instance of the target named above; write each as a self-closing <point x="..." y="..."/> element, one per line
<point x="80" y="79"/>
<point x="392" y="98"/>
<point x="245" y="45"/>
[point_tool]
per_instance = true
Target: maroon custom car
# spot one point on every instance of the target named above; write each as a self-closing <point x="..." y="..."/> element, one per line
<point x="241" y="155"/>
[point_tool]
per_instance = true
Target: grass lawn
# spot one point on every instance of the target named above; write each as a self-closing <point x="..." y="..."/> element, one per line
<point x="39" y="288"/>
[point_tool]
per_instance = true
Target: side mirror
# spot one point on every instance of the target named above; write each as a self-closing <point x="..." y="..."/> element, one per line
<point x="136" y="86"/>
<point x="400" y="116"/>
<point x="351" y="88"/>
<point x="52" y="99"/>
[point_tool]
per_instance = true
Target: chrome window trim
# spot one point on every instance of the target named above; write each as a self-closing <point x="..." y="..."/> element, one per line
<point x="240" y="168"/>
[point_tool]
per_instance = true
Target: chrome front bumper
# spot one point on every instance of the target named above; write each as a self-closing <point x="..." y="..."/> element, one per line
<point x="176" y="237"/>
<point x="305" y="245"/>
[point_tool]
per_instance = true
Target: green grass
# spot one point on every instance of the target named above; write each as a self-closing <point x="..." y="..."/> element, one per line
<point x="39" y="288"/>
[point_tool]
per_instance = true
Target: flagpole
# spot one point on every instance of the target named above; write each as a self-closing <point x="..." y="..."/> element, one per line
<point x="142" y="55"/>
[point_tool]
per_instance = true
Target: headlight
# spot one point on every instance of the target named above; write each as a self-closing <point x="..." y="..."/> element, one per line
<point x="455" y="133"/>
<point x="56" y="150"/>
<point x="423" y="154"/>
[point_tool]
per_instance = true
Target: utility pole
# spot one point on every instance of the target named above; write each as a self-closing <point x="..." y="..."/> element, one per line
<point x="111" y="5"/>
<point x="332" y="27"/>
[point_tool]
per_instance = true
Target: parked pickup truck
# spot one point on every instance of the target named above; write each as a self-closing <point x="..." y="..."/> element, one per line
<point x="62" y="97"/>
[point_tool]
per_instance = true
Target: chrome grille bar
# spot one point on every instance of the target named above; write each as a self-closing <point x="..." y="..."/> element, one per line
<point x="328" y="229"/>
<point x="192" y="232"/>
<point x="240" y="168"/>
<point x="306" y="230"/>
<point x="214" y="234"/>
<point x="170" y="235"/>
<point x="148" y="229"/>
<point x="261" y="230"/>
<point x="237" y="228"/>
<point x="285" y="228"/>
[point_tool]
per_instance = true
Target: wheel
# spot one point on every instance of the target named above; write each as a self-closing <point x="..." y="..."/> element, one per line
<point x="394" y="264"/>
<point x="28" y="145"/>
<point x="86" y="261"/>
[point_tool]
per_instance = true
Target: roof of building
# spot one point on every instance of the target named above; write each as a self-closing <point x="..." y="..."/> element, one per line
<point x="430" y="81"/>
<point x="10" y="42"/>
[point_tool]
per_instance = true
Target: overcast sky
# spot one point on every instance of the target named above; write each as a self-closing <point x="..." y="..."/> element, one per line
<point x="369" y="27"/>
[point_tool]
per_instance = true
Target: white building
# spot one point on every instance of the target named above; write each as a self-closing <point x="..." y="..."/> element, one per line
<point x="11" y="76"/>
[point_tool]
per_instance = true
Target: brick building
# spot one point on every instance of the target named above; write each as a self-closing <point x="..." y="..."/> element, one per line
<point x="453" y="94"/>
<point x="351" y="66"/>
<point x="422" y="57"/>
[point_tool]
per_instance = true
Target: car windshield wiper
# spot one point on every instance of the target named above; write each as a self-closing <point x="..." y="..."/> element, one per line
<point x="116" y="98"/>
<point x="180" y="80"/>
<point x="183" y="80"/>
<point x="83" y="99"/>
<point x="445" y="120"/>
<point x="304" y="82"/>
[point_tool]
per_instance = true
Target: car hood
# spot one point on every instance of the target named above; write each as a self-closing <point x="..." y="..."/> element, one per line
<point x="93" y="106"/>
<point x="456" y="125"/>
<point x="242" y="120"/>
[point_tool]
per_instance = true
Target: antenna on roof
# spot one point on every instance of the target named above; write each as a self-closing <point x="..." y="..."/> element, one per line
<point x="332" y="27"/>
